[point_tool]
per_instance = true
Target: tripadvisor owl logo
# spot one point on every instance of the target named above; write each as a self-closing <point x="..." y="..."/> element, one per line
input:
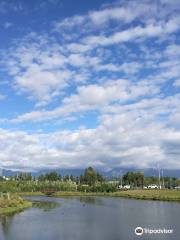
<point x="138" y="231"/>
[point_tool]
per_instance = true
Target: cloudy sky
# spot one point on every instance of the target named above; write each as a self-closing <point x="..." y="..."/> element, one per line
<point x="89" y="83"/>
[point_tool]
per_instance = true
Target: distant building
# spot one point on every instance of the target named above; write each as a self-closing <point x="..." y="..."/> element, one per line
<point x="153" y="186"/>
<point x="124" y="187"/>
<point x="5" y="178"/>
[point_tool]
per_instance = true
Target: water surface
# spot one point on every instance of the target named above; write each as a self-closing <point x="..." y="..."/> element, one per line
<point x="91" y="218"/>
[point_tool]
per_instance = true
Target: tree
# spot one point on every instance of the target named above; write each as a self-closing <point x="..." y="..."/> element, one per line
<point x="66" y="178"/>
<point x="77" y="179"/>
<point x="100" y="178"/>
<point x="135" y="179"/>
<point x="72" y="178"/>
<point x="23" y="176"/>
<point x="52" y="176"/>
<point x="90" y="177"/>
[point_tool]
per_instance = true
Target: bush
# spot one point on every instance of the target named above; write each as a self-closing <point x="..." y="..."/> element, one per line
<point x="105" y="187"/>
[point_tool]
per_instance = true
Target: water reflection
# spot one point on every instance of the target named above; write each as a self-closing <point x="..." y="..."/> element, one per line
<point x="45" y="206"/>
<point x="91" y="200"/>
<point x="115" y="219"/>
<point x="5" y="222"/>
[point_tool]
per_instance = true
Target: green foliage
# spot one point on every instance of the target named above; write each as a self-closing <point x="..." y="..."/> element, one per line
<point x="52" y="176"/>
<point x="90" y="181"/>
<point x="23" y="176"/>
<point x="105" y="187"/>
<point x="135" y="179"/>
<point x="163" y="194"/>
<point x="10" y="200"/>
<point x="91" y="177"/>
<point x="66" y="178"/>
<point x="168" y="182"/>
<point x="36" y="186"/>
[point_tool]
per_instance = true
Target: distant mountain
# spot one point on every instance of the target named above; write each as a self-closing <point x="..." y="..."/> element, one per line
<point x="75" y="172"/>
<point x="8" y="173"/>
<point x="147" y="172"/>
<point x="116" y="172"/>
<point x="63" y="172"/>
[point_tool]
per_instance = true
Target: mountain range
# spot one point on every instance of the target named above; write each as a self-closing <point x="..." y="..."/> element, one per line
<point x="113" y="173"/>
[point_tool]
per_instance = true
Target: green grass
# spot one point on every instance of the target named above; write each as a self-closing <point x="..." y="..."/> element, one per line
<point x="31" y="194"/>
<point x="169" y="195"/>
<point x="13" y="203"/>
<point x="72" y="194"/>
<point x="18" y="208"/>
<point x="64" y="194"/>
<point x="162" y="195"/>
<point x="10" y="203"/>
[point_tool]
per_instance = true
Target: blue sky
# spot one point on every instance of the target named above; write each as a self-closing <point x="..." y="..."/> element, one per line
<point x="89" y="83"/>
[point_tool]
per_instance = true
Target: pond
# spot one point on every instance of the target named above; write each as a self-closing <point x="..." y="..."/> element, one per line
<point x="91" y="218"/>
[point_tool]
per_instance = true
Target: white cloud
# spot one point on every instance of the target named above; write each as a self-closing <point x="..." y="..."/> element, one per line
<point x="173" y="50"/>
<point x="120" y="140"/>
<point x="70" y="22"/>
<point x="117" y="13"/>
<point x="121" y="13"/>
<point x="43" y="70"/>
<point x="177" y="83"/>
<point x="120" y="66"/>
<point x="93" y="97"/>
<point x="149" y="31"/>
<point x="36" y="71"/>
<point x="43" y="67"/>
<point x="42" y="83"/>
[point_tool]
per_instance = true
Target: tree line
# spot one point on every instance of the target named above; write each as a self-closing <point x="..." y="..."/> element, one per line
<point x="90" y="181"/>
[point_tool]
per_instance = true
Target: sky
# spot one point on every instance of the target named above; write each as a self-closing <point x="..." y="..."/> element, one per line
<point x="89" y="83"/>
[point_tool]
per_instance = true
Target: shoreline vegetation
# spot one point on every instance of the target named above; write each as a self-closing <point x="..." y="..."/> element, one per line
<point x="15" y="203"/>
<point x="12" y="203"/>
<point x="140" y="194"/>
<point x="131" y="185"/>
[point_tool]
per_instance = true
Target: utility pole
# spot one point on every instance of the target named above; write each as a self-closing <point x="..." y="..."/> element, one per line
<point x="159" y="177"/>
<point x="162" y="178"/>
<point x="121" y="177"/>
<point x="170" y="182"/>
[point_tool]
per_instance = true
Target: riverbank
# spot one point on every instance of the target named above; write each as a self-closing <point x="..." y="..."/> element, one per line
<point x="12" y="203"/>
<point x="161" y="195"/>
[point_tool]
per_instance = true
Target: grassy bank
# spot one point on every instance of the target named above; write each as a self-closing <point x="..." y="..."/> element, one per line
<point x="31" y="194"/>
<point x="162" y="195"/>
<point x="64" y="194"/>
<point x="11" y="203"/>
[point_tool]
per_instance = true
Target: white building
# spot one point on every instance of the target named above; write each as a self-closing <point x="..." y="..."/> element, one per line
<point x="5" y="178"/>
<point x="127" y="187"/>
<point x="153" y="186"/>
<point x="124" y="187"/>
